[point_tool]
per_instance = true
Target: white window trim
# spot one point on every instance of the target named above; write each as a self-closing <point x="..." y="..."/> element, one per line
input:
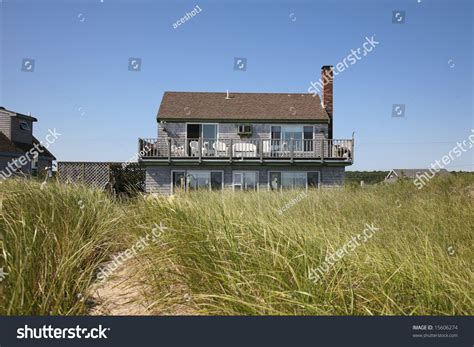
<point x="292" y="171"/>
<point x="257" y="180"/>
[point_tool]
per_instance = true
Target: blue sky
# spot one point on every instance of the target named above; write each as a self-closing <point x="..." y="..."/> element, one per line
<point x="81" y="84"/>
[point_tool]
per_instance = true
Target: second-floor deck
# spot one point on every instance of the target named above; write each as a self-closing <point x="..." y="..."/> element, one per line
<point x="263" y="150"/>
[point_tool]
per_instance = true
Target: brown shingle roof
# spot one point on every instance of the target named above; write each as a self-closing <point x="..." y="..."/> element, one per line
<point x="26" y="147"/>
<point x="241" y="107"/>
<point x="8" y="146"/>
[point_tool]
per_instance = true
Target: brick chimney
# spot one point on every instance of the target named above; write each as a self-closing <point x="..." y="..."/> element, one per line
<point x="327" y="80"/>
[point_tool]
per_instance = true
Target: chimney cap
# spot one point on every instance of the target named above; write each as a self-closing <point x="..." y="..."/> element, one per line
<point x="327" y="67"/>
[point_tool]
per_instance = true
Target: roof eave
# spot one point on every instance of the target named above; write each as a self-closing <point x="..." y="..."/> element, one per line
<point x="240" y="120"/>
<point x="24" y="116"/>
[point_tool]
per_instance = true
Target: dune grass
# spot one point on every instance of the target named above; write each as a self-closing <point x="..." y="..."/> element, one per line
<point x="235" y="254"/>
<point x="238" y="255"/>
<point x="52" y="240"/>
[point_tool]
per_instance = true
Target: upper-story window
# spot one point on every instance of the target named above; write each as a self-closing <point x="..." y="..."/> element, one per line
<point x="295" y="132"/>
<point x="298" y="137"/>
<point x="244" y="129"/>
<point x="24" y="125"/>
<point x="201" y="130"/>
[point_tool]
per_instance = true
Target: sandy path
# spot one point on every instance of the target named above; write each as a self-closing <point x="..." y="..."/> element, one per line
<point x="122" y="293"/>
<point x="125" y="292"/>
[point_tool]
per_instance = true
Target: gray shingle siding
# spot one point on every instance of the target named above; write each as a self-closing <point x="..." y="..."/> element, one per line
<point x="158" y="178"/>
<point x="18" y="134"/>
<point x="5" y="123"/>
<point x="259" y="131"/>
<point x="177" y="130"/>
<point x="229" y="130"/>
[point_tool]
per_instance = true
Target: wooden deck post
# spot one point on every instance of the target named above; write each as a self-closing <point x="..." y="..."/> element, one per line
<point x="322" y="151"/>
<point x="292" y="150"/>
<point x="200" y="149"/>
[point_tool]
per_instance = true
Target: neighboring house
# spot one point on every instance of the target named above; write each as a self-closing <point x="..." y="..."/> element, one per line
<point x="411" y="174"/>
<point x="245" y="141"/>
<point x="16" y="139"/>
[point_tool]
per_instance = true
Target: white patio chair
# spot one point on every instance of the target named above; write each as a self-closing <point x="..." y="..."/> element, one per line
<point x="267" y="146"/>
<point x="180" y="150"/>
<point x="220" y="148"/>
<point x="177" y="151"/>
<point x="174" y="150"/>
<point x="194" y="145"/>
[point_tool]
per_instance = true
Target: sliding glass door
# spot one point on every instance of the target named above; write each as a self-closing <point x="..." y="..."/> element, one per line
<point x="292" y="137"/>
<point x="209" y="136"/>
<point x="193" y="180"/>
<point x="205" y="131"/>
<point x="286" y="180"/>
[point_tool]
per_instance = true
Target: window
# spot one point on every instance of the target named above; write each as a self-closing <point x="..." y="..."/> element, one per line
<point x="313" y="180"/>
<point x="237" y="180"/>
<point x="308" y="138"/>
<point x="197" y="180"/>
<point x="245" y="180"/>
<point x="244" y="129"/>
<point x="24" y="126"/>
<point x="209" y="131"/>
<point x="292" y="137"/>
<point x="216" y="180"/>
<point x="292" y="132"/>
<point x="201" y="130"/>
<point x="293" y="180"/>
<point x="276" y="132"/>
<point x="275" y="138"/>
<point x="179" y="181"/>
<point x="275" y="180"/>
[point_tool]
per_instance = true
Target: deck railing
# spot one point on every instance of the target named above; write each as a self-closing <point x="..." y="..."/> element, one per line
<point x="176" y="148"/>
